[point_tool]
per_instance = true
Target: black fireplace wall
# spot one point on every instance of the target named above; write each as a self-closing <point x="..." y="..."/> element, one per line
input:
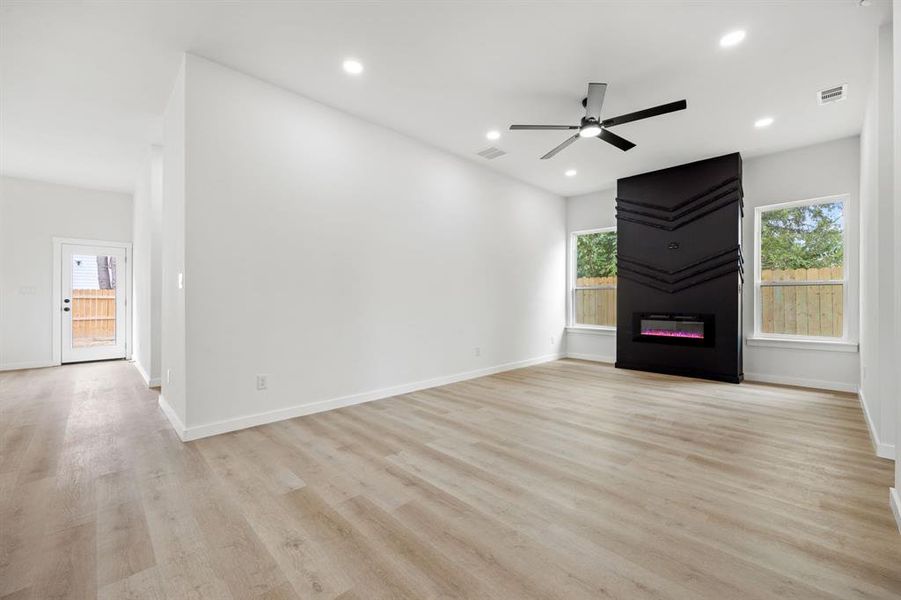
<point x="679" y="252"/>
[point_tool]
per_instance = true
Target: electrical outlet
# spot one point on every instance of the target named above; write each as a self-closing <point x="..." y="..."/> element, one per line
<point x="478" y="351"/>
<point x="168" y="375"/>
<point x="262" y="382"/>
<point x="181" y="281"/>
<point x="552" y="340"/>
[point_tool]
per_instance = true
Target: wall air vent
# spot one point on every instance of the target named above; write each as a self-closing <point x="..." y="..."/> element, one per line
<point x="491" y="153"/>
<point x="833" y="94"/>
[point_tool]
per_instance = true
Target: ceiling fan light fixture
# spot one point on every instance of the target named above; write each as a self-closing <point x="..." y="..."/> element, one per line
<point x="590" y="130"/>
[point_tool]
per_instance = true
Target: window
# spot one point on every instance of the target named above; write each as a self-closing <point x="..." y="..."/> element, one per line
<point x="801" y="272"/>
<point x="593" y="280"/>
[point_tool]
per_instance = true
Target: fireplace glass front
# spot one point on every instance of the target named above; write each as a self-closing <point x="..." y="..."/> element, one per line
<point x="674" y="328"/>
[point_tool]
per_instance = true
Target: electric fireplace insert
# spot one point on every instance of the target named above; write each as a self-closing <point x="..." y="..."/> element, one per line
<point x="669" y="328"/>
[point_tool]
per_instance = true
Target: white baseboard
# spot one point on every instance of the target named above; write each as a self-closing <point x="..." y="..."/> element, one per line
<point x="882" y="449"/>
<point x="209" y="429"/>
<point x="142" y="371"/>
<point x="895" y="500"/>
<point x="176" y="423"/>
<point x="150" y="381"/>
<point x="34" y="364"/>
<point x="593" y="357"/>
<point x="819" y="384"/>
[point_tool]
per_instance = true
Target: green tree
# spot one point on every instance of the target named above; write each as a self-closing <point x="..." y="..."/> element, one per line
<point x="596" y="254"/>
<point x="803" y="237"/>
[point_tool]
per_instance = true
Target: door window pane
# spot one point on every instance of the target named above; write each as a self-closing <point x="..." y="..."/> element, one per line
<point x="93" y="301"/>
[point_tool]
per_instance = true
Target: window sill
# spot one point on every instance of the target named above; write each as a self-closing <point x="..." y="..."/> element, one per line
<point x="582" y="329"/>
<point x="799" y="344"/>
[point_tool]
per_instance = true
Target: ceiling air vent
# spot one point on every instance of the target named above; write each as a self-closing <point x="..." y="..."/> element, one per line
<point x="491" y="153"/>
<point x="833" y="94"/>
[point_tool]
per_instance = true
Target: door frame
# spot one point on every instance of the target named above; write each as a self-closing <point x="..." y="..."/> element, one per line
<point x="56" y="297"/>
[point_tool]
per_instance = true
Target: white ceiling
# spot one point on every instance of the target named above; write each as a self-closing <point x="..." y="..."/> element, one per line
<point x="83" y="84"/>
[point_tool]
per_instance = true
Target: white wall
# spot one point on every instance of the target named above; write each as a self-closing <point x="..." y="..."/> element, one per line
<point x="589" y="211"/>
<point x="897" y="189"/>
<point x="878" y="386"/>
<point x="173" y="373"/>
<point x="147" y="234"/>
<point x="345" y="261"/>
<point x="31" y="214"/>
<point x="810" y="172"/>
<point x="820" y="170"/>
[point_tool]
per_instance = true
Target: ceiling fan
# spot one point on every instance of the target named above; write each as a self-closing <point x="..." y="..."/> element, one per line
<point x="592" y="126"/>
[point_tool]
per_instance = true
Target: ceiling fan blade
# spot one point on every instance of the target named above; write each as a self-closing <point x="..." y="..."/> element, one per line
<point x="544" y="127"/>
<point x="613" y="139"/>
<point x="595" y="100"/>
<point x="566" y="143"/>
<point x="646" y="113"/>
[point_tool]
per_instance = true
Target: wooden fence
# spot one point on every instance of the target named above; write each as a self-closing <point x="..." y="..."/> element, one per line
<point x="596" y="307"/>
<point x="93" y="317"/>
<point x="802" y="309"/>
<point x="785" y="309"/>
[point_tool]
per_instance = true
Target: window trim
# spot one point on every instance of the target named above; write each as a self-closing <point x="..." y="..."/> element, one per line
<point x="571" y="320"/>
<point x="761" y="337"/>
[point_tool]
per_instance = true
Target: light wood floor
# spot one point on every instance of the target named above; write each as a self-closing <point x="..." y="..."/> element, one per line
<point x="566" y="480"/>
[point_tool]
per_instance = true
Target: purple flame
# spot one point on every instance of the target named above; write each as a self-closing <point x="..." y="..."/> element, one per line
<point x="670" y="333"/>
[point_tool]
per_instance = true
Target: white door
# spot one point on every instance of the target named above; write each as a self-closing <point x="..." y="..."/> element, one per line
<point x="93" y="302"/>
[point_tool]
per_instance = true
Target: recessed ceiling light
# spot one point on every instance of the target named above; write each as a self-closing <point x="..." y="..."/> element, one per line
<point x="353" y="66"/>
<point x="732" y="38"/>
<point x="864" y="3"/>
<point x="494" y="134"/>
<point x="764" y="122"/>
<point x="570" y="173"/>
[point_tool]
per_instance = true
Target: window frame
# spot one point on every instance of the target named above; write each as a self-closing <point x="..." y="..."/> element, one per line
<point x="573" y="269"/>
<point x="846" y="281"/>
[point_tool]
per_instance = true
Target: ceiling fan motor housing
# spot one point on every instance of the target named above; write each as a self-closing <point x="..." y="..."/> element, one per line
<point x="589" y="127"/>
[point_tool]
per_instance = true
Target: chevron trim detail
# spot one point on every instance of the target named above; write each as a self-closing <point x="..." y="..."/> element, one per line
<point x="732" y="254"/>
<point x="711" y="191"/>
<point x="688" y="211"/>
<point x="672" y="288"/>
<point x="695" y="273"/>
